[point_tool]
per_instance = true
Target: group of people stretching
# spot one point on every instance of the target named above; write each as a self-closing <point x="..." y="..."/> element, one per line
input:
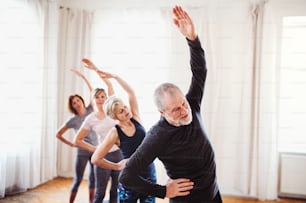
<point x="110" y="136"/>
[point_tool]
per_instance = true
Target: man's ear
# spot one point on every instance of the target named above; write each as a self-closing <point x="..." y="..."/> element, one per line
<point x="162" y="113"/>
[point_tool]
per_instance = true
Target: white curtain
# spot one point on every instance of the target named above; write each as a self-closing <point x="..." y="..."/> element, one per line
<point x="27" y="152"/>
<point x="74" y="42"/>
<point x="39" y="44"/>
<point x="263" y="173"/>
<point x="239" y="103"/>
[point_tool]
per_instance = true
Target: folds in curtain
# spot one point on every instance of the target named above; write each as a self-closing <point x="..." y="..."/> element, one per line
<point x="74" y="42"/>
<point x="22" y="155"/>
<point x="263" y="150"/>
<point x="239" y="100"/>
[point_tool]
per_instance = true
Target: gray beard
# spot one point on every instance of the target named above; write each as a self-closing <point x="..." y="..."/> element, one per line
<point x="181" y="123"/>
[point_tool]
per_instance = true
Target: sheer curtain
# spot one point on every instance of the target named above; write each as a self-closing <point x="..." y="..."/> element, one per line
<point x="239" y="103"/>
<point x="26" y="152"/>
<point x="74" y="42"/>
<point x="40" y="43"/>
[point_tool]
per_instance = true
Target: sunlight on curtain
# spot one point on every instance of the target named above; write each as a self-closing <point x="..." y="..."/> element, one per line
<point x="75" y="34"/>
<point x="238" y="104"/>
<point x="264" y="162"/>
<point x="135" y="43"/>
<point x="227" y="99"/>
<point x="21" y="59"/>
<point x="22" y="53"/>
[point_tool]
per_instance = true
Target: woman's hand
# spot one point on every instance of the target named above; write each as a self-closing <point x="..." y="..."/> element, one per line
<point x="89" y="64"/>
<point x="106" y="75"/>
<point x="121" y="164"/>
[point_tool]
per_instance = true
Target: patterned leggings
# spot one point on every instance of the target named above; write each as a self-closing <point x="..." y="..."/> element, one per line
<point x="131" y="196"/>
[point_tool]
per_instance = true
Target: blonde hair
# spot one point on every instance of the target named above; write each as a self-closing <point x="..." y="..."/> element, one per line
<point x="97" y="91"/>
<point x="110" y="105"/>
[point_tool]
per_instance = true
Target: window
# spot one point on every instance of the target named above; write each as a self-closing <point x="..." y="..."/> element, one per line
<point x="292" y="100"/>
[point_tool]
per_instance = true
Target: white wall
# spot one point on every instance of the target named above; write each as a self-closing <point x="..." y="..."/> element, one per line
<point x="96" y="4"/>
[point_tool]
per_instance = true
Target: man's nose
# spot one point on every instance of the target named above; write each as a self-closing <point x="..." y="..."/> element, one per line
<point x="183" y="111"/>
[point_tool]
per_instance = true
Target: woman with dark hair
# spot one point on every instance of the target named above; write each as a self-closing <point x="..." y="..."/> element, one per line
<point x="77" y="107"/>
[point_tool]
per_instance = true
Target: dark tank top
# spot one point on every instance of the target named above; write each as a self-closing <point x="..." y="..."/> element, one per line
<point x="129" y="144"/>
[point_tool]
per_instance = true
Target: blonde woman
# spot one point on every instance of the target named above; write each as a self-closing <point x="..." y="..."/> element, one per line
<point x="100" y="123"/>
<point x="127" y="134"/>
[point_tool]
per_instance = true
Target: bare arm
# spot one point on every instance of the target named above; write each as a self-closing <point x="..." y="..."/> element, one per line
<point x="90" y="65"/>
<point x="110" y="88"/>
<point x="103" y="148"/>
<point x="60" y="135"/>
<point x="81" y="75"/>
<point x="79" y="140"/>
<point x="78" y="73"/>
<point x="129" y="90"/>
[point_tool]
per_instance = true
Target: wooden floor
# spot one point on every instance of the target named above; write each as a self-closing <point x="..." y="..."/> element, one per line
<point x="57" y="191"/>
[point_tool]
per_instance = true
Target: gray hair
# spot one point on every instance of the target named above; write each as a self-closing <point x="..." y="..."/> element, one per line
<point x="161" y="91"/>
<point x="110" y="105"/>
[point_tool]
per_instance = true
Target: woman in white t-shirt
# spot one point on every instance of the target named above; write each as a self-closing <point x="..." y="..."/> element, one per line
<point x="100" y="123"/>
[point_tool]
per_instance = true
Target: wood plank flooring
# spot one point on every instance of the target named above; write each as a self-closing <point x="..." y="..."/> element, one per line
<point x="57" y="191"/>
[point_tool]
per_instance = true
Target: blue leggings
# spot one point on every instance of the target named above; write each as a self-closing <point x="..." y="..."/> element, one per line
<point x="80" y="165"/>
<point x="102" y="177"/>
